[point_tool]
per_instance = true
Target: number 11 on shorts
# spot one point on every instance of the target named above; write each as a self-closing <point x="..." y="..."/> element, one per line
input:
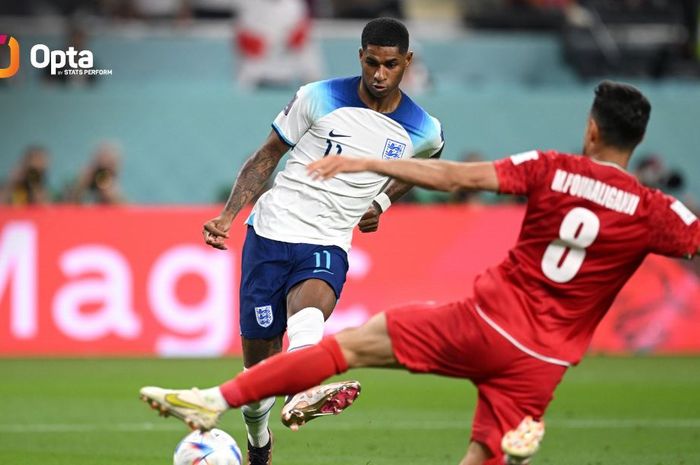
<point x="327" y="254"/>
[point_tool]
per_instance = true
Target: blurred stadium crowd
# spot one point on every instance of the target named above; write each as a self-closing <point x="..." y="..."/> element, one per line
<point x="98" y="181"/>
<point x="275" y="48"/>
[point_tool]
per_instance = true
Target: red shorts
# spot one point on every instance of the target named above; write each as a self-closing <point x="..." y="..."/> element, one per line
<point x="453" y="340"/>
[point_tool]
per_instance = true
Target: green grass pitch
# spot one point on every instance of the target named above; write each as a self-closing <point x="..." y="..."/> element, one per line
<point x="617" y="411"/>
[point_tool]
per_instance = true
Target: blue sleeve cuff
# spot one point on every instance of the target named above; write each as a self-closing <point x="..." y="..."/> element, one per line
<point x="282" y="136"/>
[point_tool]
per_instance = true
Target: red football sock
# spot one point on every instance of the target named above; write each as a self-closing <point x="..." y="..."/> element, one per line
<point x="286" y="373"/>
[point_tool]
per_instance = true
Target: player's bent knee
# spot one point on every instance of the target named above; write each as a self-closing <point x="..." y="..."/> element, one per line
<point x="350" y="344"/>
<point x="257" y="350"/>
<point x="367" y="346"/>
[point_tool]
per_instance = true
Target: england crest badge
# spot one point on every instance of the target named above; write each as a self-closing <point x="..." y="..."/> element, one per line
<point x="393" y="150"/>
<point x="264" y="315"/>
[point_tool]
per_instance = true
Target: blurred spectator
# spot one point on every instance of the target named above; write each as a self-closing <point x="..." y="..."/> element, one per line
<point x="98" y="183"/>
<point x="515" y="14"/>
<point x="360" y="9"/>
<point x="655" y="38"/>
<point x="160" y="9"/>
<point x="542" y="3"/>
<point x="691" y="18"/>
<point x="27" y="184"/>
<point x="653" y="172"/>
<point x="148" y="9"/>
<point x="211" y="9"/>
<point x="418" y="78"/>
<point x="180" y="10"/>
<point x="273" y="42"/>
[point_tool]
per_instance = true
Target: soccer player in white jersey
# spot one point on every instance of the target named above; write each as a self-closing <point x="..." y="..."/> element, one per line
<point x="295" y="254"/>
<point x="588" y="226"/>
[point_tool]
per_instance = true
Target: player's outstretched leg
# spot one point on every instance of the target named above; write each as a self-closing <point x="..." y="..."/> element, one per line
<point x="327" y="399"/>
<point x="289" y="373"/>
<point x="521" y="443"/>
<point x="281" y="374"/>
<point x="199" y="409"/>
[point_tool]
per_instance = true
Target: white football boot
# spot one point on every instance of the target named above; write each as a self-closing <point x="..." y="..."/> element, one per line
<point x="327" y="399"/>
<point x="521" y="443"/>
<point x="189" y="405"/>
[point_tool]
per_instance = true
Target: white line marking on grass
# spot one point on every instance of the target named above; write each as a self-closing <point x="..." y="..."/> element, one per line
<point x="89" y="427"/>
<point x="582" y="423"/>
<point x="352" y="424"/>
<point x="626" y="423"/>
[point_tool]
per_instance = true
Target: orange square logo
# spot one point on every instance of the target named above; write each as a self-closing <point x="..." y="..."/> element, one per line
<point x="13" y="67"/>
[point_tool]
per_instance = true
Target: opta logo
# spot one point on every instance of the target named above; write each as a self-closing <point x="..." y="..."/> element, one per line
<point x="63" y="63"/>
<point x="69" y="62"/>
<point x="42" y="57"/>
<point x="13" y="67"/>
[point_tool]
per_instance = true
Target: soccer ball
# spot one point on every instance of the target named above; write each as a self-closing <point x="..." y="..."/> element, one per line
<point x="213" y="447"/>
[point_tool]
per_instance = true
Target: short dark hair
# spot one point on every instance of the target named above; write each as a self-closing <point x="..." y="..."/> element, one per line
<point x="385" y="32"/>
<point x="621" y="112"/>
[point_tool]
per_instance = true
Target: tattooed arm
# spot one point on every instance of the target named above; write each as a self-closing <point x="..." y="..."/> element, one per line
<point x="250" y="181"/>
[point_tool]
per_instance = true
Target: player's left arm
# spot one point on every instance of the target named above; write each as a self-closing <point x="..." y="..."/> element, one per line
<point x="674" y="229"/>
<point x="391" y="193"/>
<point x="441" y="175"/>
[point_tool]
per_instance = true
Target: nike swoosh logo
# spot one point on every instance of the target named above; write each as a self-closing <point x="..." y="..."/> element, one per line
<point x="332" y="134"/>
<point x="323" y="271"/>
<point x="174" y="399"/>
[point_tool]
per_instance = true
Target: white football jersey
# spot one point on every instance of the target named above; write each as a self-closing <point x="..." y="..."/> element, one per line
<point x="327" y="118"/>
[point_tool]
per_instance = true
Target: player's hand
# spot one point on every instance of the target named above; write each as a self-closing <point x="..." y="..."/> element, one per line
<point x="216" y="230"/>
<point x="328" y="167"/>
<point x="370" y="220"/>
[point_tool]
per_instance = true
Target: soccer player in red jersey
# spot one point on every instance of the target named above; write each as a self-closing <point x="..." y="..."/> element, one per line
<point x="588" y="226"/>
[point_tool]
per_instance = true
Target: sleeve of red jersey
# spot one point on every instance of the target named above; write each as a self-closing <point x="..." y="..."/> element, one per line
<point x="519" y="174"/>
<point x="675" y="230"/>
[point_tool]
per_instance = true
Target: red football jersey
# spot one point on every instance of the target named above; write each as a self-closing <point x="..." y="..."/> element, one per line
<point x="587" y="228"/>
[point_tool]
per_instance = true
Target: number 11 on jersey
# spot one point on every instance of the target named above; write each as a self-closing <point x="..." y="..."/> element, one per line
<point x="329" y="147"/>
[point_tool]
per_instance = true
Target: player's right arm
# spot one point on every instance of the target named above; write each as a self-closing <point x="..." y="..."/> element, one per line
<point x="447" y="176"/>
<point x="288" y="127"/>
<point x="251" y="179"/>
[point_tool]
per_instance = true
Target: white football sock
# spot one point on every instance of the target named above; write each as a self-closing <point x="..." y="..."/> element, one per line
<point x="305" y="328"/>
<point x="256" y="416"/>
